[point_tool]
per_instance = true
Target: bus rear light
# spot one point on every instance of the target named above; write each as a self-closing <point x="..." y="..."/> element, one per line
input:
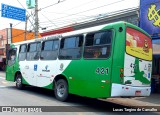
<point x="121" y="75"/>
<point x="121" y="70"/>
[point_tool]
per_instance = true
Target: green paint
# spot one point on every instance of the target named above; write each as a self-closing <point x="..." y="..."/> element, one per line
<point x="139" y="74"/>
<point x="86" y="82"/>
<point x="50" y="86"/>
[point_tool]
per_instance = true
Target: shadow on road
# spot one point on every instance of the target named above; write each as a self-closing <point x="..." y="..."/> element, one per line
<point x="81" y="104"/>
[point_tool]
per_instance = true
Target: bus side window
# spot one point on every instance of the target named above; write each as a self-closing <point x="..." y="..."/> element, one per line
<point x="33" y="51"/>
<point x="22" y="52"/>
<point x="71" y="47"/>
<point x="49" y="50"/>
<point x="98" y="45"/>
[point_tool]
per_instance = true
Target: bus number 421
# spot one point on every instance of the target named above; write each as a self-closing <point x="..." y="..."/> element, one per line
<point x="102" y="71"/>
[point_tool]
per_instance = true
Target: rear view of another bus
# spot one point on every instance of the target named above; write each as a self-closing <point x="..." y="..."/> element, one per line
<point x="137" y="64"/>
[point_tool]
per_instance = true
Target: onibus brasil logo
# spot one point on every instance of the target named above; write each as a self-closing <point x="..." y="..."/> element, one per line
<point x="154" y="15"/>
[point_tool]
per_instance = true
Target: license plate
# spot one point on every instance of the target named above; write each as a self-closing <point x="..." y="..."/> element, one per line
<point x="138" y="93"/>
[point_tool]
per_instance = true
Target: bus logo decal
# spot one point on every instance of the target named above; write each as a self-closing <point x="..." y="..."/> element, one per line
<point x="46" y="69"/>
<point x="35" y="67"/>
<point x="61" y="66"/>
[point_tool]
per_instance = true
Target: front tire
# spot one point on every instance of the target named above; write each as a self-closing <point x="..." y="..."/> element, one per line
<point x="19" y="84"/>
<point x="61" y="90"/>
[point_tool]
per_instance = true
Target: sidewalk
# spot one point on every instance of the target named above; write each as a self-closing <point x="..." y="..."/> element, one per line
<point x="152" y="100"/>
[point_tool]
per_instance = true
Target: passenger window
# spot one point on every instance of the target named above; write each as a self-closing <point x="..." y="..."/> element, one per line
<point x="33" y="47"/>
<point x="22" y="52"/>
<point x="98" y="45"/>
<point x="70" y="42"/>
<point x="33" y="51"/>
<point x="48" y="45"/>
<point x="23" y="48"/>
<point x="71" y="47"/>
<point x="49" y="50"/>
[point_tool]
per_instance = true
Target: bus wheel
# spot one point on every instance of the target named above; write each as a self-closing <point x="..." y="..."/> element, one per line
<point x="19" y="84"/>
<point x="61" y="90"/>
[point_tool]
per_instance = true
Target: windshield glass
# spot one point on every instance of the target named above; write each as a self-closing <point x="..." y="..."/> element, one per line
<point x="138" y="44"/>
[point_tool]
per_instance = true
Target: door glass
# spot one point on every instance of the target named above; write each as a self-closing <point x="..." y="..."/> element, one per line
<point x="12" y="56"/>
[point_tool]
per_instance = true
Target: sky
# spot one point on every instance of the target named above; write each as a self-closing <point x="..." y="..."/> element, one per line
<point x="58" y="13"/>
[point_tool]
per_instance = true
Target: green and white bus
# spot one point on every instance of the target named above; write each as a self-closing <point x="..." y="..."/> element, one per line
<point x="111" y="60"/>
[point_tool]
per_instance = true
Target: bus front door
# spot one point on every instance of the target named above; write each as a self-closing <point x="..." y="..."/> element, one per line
<point x="11" y="62"/>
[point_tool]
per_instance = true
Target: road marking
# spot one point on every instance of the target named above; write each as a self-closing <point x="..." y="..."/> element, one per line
<point x="2" y="78"/>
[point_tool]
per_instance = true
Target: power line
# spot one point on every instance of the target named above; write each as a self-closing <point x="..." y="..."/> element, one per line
<point x="27" y="12"/>
<point x="69" y="20"/>
<point x="90" y="18"/>
<point x="82" y="11"/>
<point x="59" y="1"/>
<point x="86" y="3"/>
<point x="109" y="14"/>
<point x="17" y="24"/>
<point x="65" y="13"/>
<point x="49" y="20"/>
<point x="88" y="10"/>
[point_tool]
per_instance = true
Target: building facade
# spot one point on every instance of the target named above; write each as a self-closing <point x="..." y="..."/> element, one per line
<point x="7" y="38"/>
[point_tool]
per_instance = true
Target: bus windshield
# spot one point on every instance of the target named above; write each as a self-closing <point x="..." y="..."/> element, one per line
<point x="138" y="44"/>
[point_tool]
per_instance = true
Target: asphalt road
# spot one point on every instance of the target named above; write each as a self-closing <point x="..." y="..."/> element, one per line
<point x="43" y="100"/>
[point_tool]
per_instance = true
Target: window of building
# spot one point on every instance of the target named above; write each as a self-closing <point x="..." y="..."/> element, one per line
<point x="98" y="44"/>
<point x="71" y="47"/>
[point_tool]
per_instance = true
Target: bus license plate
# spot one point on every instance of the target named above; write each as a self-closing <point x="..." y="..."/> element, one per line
<point x="138" y="93"/>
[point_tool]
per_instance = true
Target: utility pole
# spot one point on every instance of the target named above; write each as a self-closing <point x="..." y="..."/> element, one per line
<point x="10" y="34"/>
<point x="36" y="20"/>
<point x="25" y="35"/>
